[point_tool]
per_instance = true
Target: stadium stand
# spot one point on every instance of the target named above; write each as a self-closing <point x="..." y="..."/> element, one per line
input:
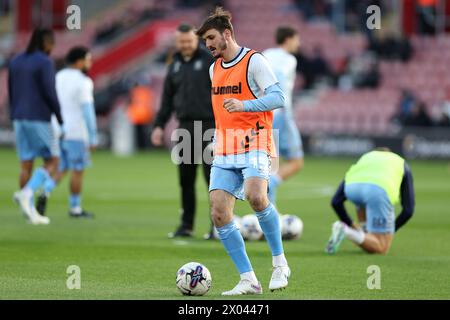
<point x="130" y="54"/>
<point x="355" y="111"/>
<point x="143" y="31"/>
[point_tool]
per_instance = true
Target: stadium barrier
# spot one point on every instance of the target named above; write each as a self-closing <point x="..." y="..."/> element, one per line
<point x="417" y="143"/>
<point x="412" y="144"/>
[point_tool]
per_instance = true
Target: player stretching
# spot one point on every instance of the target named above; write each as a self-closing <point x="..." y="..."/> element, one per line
<point x="284" y="65"/>
<point x="374" y="184"/>
<point x="244" y="91"/>
<point x="32" y="96"/>
<point x="75" y="92"/>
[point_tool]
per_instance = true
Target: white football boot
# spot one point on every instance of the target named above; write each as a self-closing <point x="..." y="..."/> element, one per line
<point x="37" y="218"/>
<point x="337" y="235"/>
<point x="28" y="210"/>
<point x="244" y="287"/>
<point x="24" y="203"/>
<point x="280" y="276"/>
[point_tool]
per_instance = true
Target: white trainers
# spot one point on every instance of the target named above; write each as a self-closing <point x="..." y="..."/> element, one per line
<point x="37" y="218"/>
<point x="24" y="202"/>
<point x="28" y="210"/>
<point x="337" y="235"/>
<point x="244" y="287"/>
<point x="280" y="276"/>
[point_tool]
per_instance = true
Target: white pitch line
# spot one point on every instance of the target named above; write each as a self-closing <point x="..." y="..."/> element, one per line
<point x="180" y="243"/>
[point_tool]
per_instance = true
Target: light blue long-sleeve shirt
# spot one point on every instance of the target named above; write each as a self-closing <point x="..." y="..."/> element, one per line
<point x="273" y="98"/>
<point x="91" y="123"/>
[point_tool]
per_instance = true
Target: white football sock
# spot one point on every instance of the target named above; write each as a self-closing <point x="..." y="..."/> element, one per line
<point x="357" y="236"/>
<point x="279" y="261"/>
<point x="27" y="192"/>
<point x="250" y="276"/>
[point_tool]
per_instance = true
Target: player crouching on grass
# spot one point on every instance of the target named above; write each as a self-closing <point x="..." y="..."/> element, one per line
<point x="79" y="132"/>
<point x="374" y="184"/>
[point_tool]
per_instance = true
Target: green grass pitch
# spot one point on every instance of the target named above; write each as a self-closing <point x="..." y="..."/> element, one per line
<point x="125" y="254"/>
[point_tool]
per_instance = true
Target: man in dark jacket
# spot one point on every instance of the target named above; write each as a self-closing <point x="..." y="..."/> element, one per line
<point x="187" y="92"/>
<point x="32" y="100"/>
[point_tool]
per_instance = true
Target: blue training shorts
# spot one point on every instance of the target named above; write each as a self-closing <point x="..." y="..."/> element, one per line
<point x="380" y="216"/>
<point x="35" y="139"/>
<point x="75" y="155"/>
<point x="229" y="172"/>
<point x="287" y="136"/>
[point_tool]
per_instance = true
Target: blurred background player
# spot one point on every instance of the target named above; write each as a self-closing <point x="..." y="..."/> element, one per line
<point x="374" y="184"/>
<point x="75" y="93"/>
<point x="286" y="134"/>
<point x="244" y="93"/>
<point x="33" y="99"/>
<point x="187" y="92"/>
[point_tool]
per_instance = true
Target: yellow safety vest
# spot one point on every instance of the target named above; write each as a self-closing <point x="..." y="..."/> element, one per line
<point x="385" y="169"/>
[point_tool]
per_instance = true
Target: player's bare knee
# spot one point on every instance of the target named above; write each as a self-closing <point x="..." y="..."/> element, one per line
<point x="371" y="249"/>
<point x="258" y="201"/>
<point x="384" y="249"/>
<point x="218" y="212"/>
<point x="378" y="249"/>
<point x="218" y="216"/>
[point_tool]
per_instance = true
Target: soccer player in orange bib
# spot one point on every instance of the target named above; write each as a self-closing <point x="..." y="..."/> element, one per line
<point x="244" y="93"/>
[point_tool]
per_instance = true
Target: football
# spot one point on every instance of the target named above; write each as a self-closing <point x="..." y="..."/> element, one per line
<point x="193" y="279"/>
<point x="250" y="228"/>
<point x="291" y="227"/>
<point x="238" y="221"/>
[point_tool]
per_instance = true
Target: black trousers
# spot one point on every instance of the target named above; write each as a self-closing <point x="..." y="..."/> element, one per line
<point x="142" y="132"/>
<point x="187" y="169"/>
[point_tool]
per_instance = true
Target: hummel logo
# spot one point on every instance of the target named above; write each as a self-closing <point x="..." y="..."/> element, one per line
<point x="227" y="89"/>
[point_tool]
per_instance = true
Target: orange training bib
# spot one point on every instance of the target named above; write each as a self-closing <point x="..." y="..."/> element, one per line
<point x="238" y="132"/>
